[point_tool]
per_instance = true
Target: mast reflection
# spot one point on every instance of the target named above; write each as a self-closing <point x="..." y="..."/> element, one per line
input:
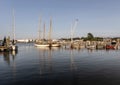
<point x="72" y="61"/>
<point x="8" y="57"/>
<point x="45" y="60"/>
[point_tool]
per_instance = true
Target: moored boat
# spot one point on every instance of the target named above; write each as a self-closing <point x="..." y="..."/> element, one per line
<point x="14" y="47"/>
<point x="55" y="45"/>
<point x="91" y="46"/>
<point x="41" y="45"/>
<point x="7" y="45"/>
<point x="110" y="47"/>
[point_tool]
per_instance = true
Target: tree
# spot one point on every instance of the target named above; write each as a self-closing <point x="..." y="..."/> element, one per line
<point x="90" y="36"/>
<point x="4" y="41"/>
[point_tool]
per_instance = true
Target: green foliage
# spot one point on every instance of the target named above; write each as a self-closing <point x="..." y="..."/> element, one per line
<point x="90" y="37"/>
<point x="98" y="39"/>
<point x="4" y="41"/>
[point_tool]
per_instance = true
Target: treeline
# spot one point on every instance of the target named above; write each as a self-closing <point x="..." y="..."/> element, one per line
<point x="89" y="37"/>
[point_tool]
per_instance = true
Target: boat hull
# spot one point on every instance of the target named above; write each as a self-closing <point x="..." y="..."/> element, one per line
<point x="55" y="45"/>
<point x="41" y="45"/>
<point x="109" y="47"/>
<point x="14" y="48"/>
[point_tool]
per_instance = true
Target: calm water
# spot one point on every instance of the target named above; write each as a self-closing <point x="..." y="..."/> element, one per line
<point x="58" y="66"/>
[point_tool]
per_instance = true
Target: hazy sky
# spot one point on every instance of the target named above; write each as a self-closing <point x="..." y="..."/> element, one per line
<point x="100" y="17"/>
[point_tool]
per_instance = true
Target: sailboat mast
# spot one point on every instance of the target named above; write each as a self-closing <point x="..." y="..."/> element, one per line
<point x="13" y="25"/>
<point x="44" y="32"/>
<point x="39" y="28"/>
<point x="73" y="29"/>
<point x="71" y="34"/>
<point x="50" y="32"/>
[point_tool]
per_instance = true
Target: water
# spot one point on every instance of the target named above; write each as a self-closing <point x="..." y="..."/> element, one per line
<point x="58" y="66"/>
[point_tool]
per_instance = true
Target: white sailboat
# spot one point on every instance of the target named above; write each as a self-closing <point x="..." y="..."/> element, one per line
<point x="41" y="45"/>
<point x="52" y="44"/>
<point x="72" y="33"/>
<point x="41" y="42"/>
<point x="13" y="45"/>
<point x="55" y="45"/>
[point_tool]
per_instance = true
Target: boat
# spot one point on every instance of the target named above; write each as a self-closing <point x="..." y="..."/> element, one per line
<point x="13" y="45"/>
<point x="7" y="44"/>
<point x="46" y="43"/>
<point x="72" y="43"/>
<point x="51" y="42"/>
<point x="99" y="46"/>
<point x="55" y="45"/>
<point x="118" y="47"/>
<point x="41" y="42"/>
<point x="41" y="45"/>
<point x="91" y="46"/>
<point x="110" y="47"/>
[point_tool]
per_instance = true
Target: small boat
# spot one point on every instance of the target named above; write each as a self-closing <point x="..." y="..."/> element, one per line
<point x="110" y="47"/>
<point x="14" y="47"/>
<point x="118" y="47"/>
<point x="100" y="47"/>
<point x="91" y="46"/>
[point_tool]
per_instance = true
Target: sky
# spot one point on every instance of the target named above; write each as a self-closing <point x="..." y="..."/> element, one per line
<point x="99" y="17"/>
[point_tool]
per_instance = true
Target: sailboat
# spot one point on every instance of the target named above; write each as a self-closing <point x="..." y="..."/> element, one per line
<point x="41" y="45"/>
<point x="52" y="44"/>
<point x="13" y="44"/>
<point x="72" y="33"/>
<point x="41" y="42"/>
<point x="46" y="43"/>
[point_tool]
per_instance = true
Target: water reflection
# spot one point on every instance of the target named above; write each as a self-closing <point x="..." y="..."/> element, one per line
<point x="58" y="66"/>
<point x="48" y="48"/>
<point x="73" y="65"/>
<point x="8" y="56"/>
<point x="45" y="59"/>
<point x="47" y="63"/>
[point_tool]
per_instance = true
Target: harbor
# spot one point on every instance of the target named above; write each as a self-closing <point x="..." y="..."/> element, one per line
<point x="106" y="43"/>
<point x="59" y="42"/>
<point x="34" y="65"/>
